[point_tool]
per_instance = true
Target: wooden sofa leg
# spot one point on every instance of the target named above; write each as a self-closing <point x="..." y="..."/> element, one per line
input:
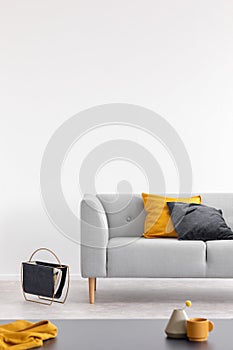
<point x="92" y="282"/>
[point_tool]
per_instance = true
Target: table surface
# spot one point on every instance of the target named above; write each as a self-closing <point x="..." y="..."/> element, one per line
<point x="86" y="334"/>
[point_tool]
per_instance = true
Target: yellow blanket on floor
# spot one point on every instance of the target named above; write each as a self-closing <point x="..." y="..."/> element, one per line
<point x="22" y="335"/>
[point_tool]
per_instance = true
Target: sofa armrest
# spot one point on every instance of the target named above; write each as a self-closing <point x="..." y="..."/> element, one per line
<point x="94" y="237"/>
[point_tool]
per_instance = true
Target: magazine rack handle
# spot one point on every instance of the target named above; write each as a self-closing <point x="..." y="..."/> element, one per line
<point x="48" y="250"/>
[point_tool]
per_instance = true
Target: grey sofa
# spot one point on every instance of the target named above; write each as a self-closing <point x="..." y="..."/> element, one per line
<point x="112" y="244"/>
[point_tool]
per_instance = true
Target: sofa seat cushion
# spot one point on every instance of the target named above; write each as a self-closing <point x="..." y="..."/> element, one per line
<point x="159" y="257"/>
<point x="219" y="259"/>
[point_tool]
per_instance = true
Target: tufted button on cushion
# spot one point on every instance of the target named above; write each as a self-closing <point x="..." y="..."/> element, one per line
<point x="128" y="218"/>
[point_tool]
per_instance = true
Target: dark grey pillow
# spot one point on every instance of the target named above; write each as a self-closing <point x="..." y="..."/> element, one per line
<point x="198" y="222"/>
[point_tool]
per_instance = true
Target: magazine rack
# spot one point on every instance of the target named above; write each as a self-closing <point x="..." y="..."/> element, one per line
<point x="45" y="280"/>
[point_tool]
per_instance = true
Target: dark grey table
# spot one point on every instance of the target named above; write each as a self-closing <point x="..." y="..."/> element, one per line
<point x="131" y="335"/>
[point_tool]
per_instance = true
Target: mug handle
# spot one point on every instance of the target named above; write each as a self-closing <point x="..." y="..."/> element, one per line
<point x="211" y="326"/>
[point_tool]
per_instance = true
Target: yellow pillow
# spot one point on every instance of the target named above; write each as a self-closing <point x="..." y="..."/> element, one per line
<point x="158" y="222"/>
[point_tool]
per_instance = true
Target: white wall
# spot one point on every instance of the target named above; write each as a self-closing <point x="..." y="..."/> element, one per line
<point x="60" y="57"/>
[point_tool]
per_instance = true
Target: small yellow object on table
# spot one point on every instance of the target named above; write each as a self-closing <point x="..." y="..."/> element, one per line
<point x="188" y="303"/>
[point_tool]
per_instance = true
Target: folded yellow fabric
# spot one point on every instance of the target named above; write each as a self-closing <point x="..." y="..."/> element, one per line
<point x="22" y="334"/>
<point x="158" y="221"/>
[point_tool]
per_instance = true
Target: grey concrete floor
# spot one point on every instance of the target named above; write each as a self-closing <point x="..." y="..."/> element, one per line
<point x="126" y="298"/>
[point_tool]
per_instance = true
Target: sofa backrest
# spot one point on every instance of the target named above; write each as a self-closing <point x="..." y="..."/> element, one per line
<point x="126" y="215"/>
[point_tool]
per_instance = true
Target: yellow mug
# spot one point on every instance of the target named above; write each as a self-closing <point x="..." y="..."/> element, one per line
<point x="198" y="329"/>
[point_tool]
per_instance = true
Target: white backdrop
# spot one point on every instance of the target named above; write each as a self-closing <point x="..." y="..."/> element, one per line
<point x="60" y="57"/>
